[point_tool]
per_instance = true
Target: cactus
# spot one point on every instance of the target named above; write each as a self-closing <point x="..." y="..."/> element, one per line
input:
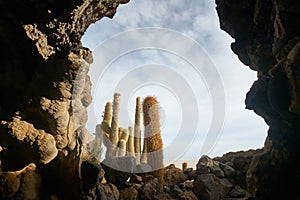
<point x="130" y="142"/>
<point x="107" y="117"/>
<point x="184" y="166"/>
<point x="97" y="144"/>
<point x="137" y="130"/>
<point x="102" y="129"/>
<point x="152" y="138"/>
<point x="113" y="136"/>
<point x="122" y="143"/>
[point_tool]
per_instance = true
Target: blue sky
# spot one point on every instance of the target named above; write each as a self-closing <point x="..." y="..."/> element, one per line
<point x="181" y="58"/>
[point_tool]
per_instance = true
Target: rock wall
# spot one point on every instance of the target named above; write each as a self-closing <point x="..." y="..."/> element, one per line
<point x="45" y="92"/>
<point x="267" y="39"/>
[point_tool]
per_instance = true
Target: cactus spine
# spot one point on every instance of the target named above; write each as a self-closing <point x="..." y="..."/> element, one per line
<point x="152" y="138"/>
<point x="113" y="136"/>
<point x="137" y="130"/>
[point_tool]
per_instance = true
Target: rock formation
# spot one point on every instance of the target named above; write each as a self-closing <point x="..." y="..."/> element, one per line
<point x="45" y="92"/>
<point x="46" y="89"/>
<point x="267" y="39"/>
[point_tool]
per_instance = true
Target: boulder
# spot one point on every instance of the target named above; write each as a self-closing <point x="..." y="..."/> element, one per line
<point x="118" y="170"/>
<point x="150" y="188"/>
<point x="208" y="187"/>
<point x="112" y="192"/>
<point x="129" y="194"/>
<point x="188" y="195"/>
<point x="237" y="192"/>
<point x="173" y="176"/>
<point x="92" y="174"/>
<point x="207" y="165"/>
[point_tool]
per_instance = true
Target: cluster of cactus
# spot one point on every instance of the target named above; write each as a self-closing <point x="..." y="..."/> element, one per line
<point x="121" y="141"/>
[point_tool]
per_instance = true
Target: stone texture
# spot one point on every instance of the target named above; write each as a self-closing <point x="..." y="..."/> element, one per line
<point x="150" y="188"/>
<point x="47" y="89"/>
<point x="112" y="192"/>
<point x="129" y="194"/>
<point x="173" y="176"/>
<point x="22" y="184"/>
<point x="207" y="165"/>
<point x="267" y="37"/>
<point x="207" y="187"/>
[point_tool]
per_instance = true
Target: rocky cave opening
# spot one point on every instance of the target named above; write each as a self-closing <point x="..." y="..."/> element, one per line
<point x="44" y="76"/>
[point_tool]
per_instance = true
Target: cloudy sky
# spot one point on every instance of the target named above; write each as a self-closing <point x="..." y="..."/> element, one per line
<point x="175" y="50"/>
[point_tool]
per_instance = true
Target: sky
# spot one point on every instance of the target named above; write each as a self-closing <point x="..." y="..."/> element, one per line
<point x="175" y="51"/>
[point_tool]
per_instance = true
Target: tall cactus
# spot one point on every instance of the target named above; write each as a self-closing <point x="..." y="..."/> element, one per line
<point x="137" y="130"/>
<point x="130" y="142"/>
<point x="152" y="138"/>
<point x="114" y="127"/>
<point x="102" y="129"/>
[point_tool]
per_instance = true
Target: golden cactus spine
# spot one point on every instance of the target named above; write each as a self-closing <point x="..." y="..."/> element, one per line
<point x="152" y="138"/>
<point x="130" y="142"/>
<point x="137" y="130"/>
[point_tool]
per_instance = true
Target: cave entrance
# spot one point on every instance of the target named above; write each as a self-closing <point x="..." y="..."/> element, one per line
<point x="184" y="75"/>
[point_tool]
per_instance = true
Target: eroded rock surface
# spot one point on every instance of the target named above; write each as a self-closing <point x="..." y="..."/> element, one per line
<point x="46" y="91"/>
<point x="267" y="39"/>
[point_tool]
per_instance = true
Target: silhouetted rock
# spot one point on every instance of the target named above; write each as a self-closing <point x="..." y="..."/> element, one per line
<point x="92" y="174"/>
<point x="118" y="170"/>
<point x="207" y="187"/>
<point x="266" y="38"/>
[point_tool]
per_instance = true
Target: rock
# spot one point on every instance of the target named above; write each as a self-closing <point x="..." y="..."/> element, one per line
<point x="112" y="192"/>
<point x="22" y="184"/>
<point x="207" y="165"/>
<point x="100" y="192"/>
<point x="207" y="187"/>
<point x="190" y="173"/>
<point x="49" y="67"/>
<point x="118" y="170"/>
<point x="239" y="162"/>
<point x="227" y="185"/>
<point x="266" y="38"/>
<point x="202" y="169"/>
<point x="20" y="135"/>
<point x="228" y="170"/>
<point x="129" y="194"/>
<point x="150" y="189"/>
<point x="9" y="184"/>
<point x="187" y="185"/>
<point x="188" y="195"/>
<point x="176" y="191"/>
<point x="167" y="189"/>
<point x="92" y="174"/>
<point x="237" y="192"/>
<point x="173" y="176"/>
<point x="135" y="179"/>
